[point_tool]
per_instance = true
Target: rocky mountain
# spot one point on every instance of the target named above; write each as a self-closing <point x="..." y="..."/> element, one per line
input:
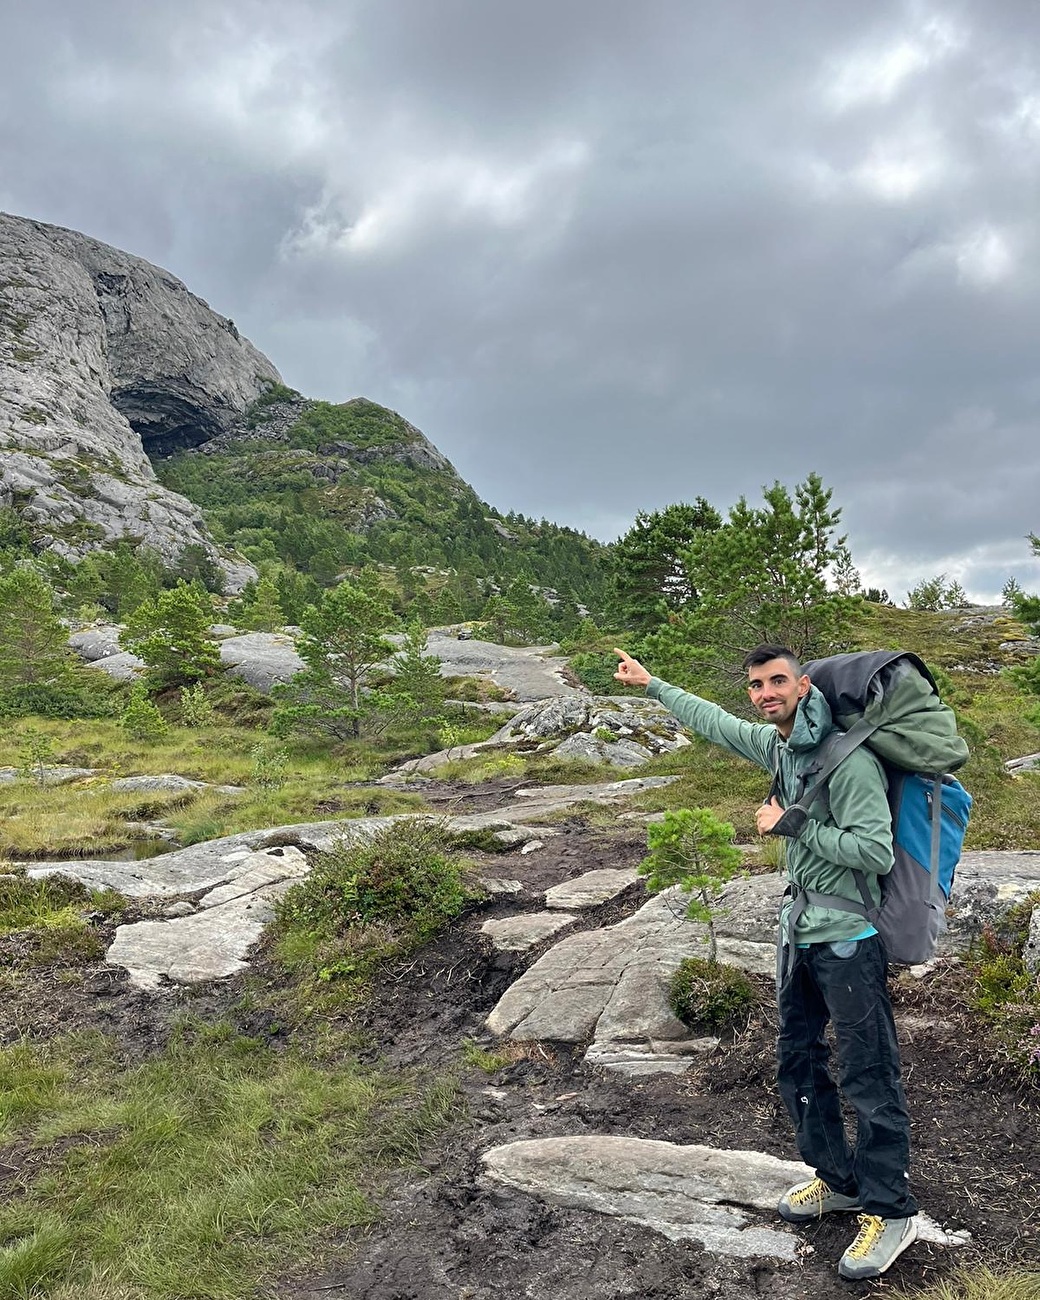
<point x="106" y="361"/>
<point x="130" y="409"/>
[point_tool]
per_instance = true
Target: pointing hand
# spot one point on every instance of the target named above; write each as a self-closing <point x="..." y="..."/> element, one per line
<point x="630" y="671"/>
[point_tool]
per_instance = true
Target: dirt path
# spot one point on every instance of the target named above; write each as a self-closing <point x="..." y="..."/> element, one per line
<point x="449" y="1232"/>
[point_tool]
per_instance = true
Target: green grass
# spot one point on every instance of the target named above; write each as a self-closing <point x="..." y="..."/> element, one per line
<point x="978" y="1284"/>
<point x="49" y="918"/>
<point x="198" y="1173"/>
<point x="87" y="818"/>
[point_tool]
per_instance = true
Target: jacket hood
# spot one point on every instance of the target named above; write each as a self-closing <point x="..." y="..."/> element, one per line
<point x="812" y="722"/>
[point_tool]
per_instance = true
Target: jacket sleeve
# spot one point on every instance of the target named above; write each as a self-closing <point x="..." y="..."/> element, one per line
<point x="862" y="832"/>
<point x="750" y="740"/>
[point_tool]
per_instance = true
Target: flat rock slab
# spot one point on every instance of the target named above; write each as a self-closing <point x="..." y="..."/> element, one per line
<point x="591" y="889"/>
<point x="527" y="672"/>
<point x="49" y="776"/>
<point x="261" y="658"/>
<point x="692" y="1193"/>
<point x="611" y="985"/>
<point x="519" y="933"/>
<point x="685" y="1193"/>
<point x="170" y="781"/>
<point x="635" y="1059"/>
<point x="597" y="792"/>
<point x="213" y="942"/>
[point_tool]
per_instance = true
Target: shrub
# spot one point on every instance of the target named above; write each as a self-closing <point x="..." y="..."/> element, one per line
<point x="141" y="718"/>
<point x="196" y="709"/>
<point x="596" y="671"/>
<point x="405" y="875"/>
<point x="710" y="994"/>
<point x="1005" y="992"/>
<point x="35" y="754"/>
<point x="270" y="767"/>
<point x="53" y="700"/>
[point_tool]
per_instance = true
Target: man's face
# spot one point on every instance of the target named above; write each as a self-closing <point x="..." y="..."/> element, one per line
<point x="775" y="692"/>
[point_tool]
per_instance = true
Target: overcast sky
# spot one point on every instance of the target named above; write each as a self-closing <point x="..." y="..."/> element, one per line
<point x="606" y="255"/>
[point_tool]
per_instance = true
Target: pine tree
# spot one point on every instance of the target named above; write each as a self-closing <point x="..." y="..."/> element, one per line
<point x="649" y="578"/>
<point x="171" y="634"/>
<point x="417" y="688"/>
<point x="760" y="577"/>
<point x="344" y="640"/>
<point x="34" y="645"/>
<point x="262" y="610"/>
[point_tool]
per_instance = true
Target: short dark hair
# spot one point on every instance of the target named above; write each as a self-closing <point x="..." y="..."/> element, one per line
<point x="764" y="653"/>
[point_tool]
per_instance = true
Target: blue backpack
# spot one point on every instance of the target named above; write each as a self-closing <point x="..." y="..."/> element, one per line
<point x="888" y="701"/>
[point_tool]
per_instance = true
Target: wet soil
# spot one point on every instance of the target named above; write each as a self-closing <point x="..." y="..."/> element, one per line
<point x="448" y="1233"/>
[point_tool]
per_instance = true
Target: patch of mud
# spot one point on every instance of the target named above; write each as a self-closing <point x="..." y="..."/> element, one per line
<point x="449" y="1233"/>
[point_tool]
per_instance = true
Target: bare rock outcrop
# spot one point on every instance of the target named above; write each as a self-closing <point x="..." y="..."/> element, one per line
<point x="105" y="360"/>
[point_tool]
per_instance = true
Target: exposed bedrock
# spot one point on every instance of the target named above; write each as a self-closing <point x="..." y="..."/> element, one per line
<point x="105" y="360"/>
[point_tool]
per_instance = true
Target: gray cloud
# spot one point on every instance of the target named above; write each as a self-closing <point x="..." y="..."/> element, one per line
<point x="606" y="256"/>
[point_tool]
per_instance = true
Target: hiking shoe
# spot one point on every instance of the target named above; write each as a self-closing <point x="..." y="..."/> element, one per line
<point x="813" y="1199"/>
<point x="878" y="1245"/>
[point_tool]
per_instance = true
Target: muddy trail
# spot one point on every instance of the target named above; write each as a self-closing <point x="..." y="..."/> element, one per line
<point x="448" y="1232"/>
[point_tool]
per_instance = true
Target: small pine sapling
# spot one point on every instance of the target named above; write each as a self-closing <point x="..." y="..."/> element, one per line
<point x="694" y="849"/>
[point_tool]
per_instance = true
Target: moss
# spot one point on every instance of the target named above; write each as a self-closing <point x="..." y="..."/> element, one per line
<point x="34" y="415"/>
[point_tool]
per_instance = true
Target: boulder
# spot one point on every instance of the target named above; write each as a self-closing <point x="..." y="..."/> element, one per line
<point x="261" y="658"/>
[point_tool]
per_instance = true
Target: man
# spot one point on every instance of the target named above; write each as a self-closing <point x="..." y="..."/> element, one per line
<point x="836" y="968"/>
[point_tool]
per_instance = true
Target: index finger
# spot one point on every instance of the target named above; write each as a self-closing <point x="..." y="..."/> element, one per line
<point x="621" y="655"/>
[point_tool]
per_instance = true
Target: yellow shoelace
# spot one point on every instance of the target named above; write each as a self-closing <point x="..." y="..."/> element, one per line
<point x="870" y="1228"/>
<point x="815" y="1191"/>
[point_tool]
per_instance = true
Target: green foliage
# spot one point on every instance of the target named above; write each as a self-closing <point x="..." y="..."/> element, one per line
<point x="81" y="694"/>
<point x="49" y="916"/>
<point x="34" y="645"/>
<point x="936" y="593"/>
<point x="404" y="876"/>
<point x="36" y="753"/>
<point x="199" y="1170"/>
<point x="15" y="538"/>
<point x="344" y="640"/>
<point x="195" y="564"/>
<point x="259" y="608"/>
<point x="710" y="994"/>
<point x="270" y="767"/>
<point x="595" y="670"/>
<point x="648" y="575"/>
<point x="196" y="708"/>
<point x="977" y="1284"/>
<point x="141" y="718"/>
<point x="844" y="574"/>
<point x="279" y="506"/>
<point x="692" y="848"/>
<point x="1005" y="992"/>
<point x="417" y="689"/>
<point x="118" y="580"/>
<point x="171" y="634"/>
<point x="761" y="576"/>
<point x="1010" y="592"/>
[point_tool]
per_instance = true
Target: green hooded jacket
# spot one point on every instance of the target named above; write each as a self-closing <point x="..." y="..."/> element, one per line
<point x="856" y="829"/>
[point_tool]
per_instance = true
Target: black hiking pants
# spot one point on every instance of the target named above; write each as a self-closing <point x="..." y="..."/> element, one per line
<point x="852" y="993"/>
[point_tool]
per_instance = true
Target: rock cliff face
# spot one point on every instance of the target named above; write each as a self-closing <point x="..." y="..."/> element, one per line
<point x="105" y="359"/>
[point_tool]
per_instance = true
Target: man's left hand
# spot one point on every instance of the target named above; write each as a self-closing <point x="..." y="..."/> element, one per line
<point x="768" y="815"/>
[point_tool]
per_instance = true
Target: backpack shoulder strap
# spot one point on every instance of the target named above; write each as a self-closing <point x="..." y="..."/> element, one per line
<point x="834" y="750"/>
